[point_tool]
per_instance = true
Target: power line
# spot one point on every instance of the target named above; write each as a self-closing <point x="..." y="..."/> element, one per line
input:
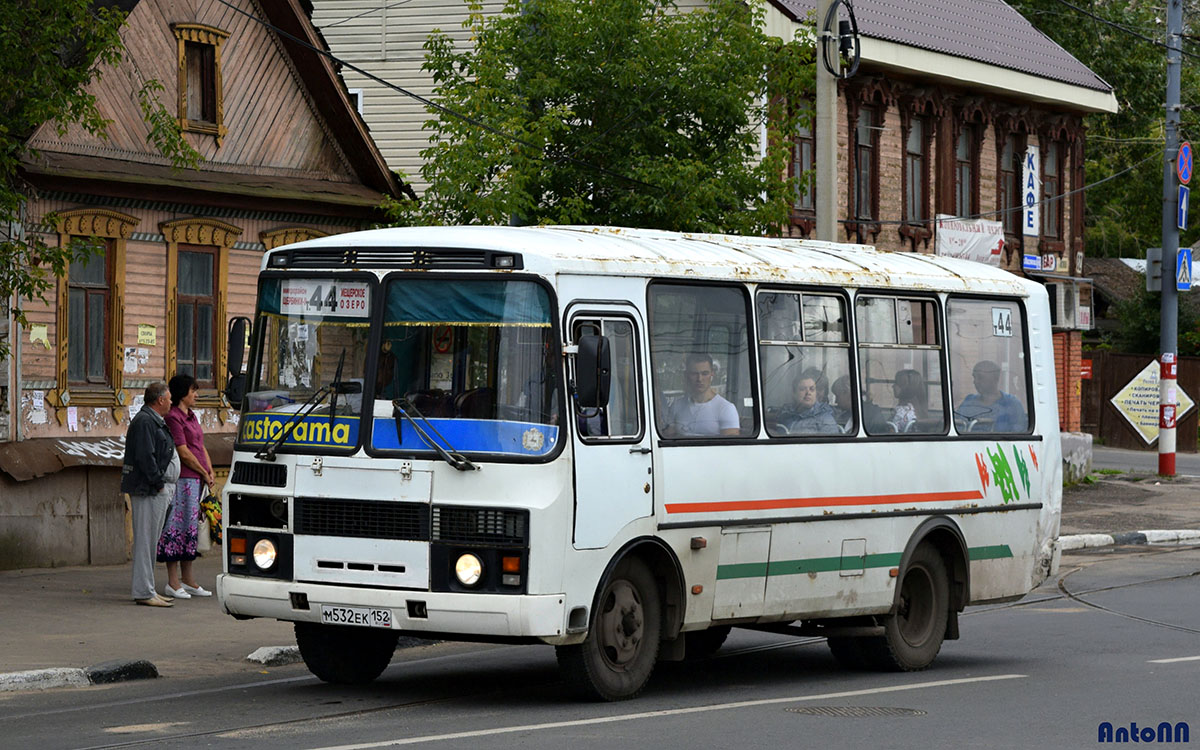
<point x="1126" y="29"/>
<point x="365" y="13"/>
<point x="430" y="103"/>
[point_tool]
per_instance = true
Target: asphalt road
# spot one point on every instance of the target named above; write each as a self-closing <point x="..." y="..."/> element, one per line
<point x="1087" y="647"/>
<point x="1142" y="462"/>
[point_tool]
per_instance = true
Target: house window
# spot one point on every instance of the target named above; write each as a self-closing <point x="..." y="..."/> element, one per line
<point x="916" y="172"/>
<point x="195" y="332"/>
<point x="1052" y="205"/>
<point x="1011" y="159"/>
<point x="200" y="94"/>
<point x="803" y="166"/>
<point x="965" y="187"/>
<point x="89" y="293"/>
<point x="864" y="165"/>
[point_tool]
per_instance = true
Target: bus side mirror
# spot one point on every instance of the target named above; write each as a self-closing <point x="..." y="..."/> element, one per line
<point x="235" y="381"/>
<point x="593" y="367"/>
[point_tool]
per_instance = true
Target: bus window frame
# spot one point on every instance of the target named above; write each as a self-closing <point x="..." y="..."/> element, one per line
<point x="254" y="366"/>
<point x="555" y="337"/>
<point x="847" y="300"/>
<point x="1030" y="404"/>
<point x="939" y="313"/>
<point x="571" y="316"/>
<point x="748" y="303"/>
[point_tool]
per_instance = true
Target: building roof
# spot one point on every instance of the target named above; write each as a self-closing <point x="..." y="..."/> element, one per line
<point x="987" y="31"/>
<point x="616" y="251"/>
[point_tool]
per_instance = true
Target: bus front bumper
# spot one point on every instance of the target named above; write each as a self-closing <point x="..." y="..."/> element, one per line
<point x="489" y="615"/>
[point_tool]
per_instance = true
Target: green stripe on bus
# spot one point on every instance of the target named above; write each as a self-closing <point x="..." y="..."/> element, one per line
<point x="831" y="564"/>
<point x="990" y="552"/>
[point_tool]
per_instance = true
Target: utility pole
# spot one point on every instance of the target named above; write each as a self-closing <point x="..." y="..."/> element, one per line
<point x="826" y="136"/>
<point x="1168" y="333"/>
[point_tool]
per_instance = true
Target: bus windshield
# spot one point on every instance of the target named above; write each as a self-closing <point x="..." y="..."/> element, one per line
<point x="476" y="359"/>
<point x="314" y="334"/>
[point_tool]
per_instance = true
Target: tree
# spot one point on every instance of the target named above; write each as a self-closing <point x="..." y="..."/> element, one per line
<point x="613" y="112"/>
<point x="1124" y="215"/>
<point x="50" y="51"/>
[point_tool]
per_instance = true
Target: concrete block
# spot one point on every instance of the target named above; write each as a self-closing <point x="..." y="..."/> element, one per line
<point x="1077" y="456"/>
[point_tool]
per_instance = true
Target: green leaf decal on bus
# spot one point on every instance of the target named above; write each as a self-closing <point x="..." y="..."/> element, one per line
<point x="1003" y="475"/>
<point x="1022" y="468"/>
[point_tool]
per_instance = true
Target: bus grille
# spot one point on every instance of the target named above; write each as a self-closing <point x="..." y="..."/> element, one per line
<point x="259" y="475"/>
<point x="365" y="519"/>
<point x="487" y="526"/>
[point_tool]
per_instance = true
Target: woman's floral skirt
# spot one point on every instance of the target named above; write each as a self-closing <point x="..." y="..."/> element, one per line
<point x="178" y="540"/>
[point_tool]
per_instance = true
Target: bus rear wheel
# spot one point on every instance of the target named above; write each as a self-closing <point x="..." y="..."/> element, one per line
<point x="345" y="655"/>
<point x="616" y="660"/>
<point x="913" y="634"/>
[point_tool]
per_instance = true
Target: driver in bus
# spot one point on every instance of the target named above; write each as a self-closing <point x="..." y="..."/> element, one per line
<point x="701" y="411"/>
<point x="992" y="409"/>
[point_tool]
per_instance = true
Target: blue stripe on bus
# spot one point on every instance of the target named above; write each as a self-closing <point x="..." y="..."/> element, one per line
<point x="468" y="436"/>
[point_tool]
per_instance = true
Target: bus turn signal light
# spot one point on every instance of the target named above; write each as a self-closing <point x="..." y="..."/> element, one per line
<point x="510" y="564"/>
<point x="237" y="545"/>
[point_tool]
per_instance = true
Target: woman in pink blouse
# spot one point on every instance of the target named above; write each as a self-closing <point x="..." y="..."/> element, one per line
<point x="177" y="545"/>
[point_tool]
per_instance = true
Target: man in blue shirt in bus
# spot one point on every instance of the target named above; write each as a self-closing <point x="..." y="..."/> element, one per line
<point x="701" y="412"/>
<point x="991" y="409"/>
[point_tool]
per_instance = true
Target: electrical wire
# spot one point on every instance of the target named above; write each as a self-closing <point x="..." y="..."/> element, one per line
<point x="365" y="13"/>
<point x="1126" y="29"/>
<point x="432" y="104"/>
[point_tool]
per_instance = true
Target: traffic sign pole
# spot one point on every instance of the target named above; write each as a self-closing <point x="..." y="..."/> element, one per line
<point x="1168" y="333"/>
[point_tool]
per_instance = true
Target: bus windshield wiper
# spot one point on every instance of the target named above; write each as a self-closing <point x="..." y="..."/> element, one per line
<point x="401" y="408"/>
<point x="309" y="406"/>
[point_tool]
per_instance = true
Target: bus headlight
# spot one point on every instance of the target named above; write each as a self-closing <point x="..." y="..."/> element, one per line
<point x="264" y="554"/>
<point x="468" y="569"/>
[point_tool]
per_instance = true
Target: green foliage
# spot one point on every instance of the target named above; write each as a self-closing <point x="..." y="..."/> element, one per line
<point x="1124" y="215"/>
<point x="50" y="51"/>
<point x="620" y="112"/>
<point x="1140" y="324"/>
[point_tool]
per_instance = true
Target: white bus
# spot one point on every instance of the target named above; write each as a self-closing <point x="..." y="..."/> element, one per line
<point x="625" y="442"/>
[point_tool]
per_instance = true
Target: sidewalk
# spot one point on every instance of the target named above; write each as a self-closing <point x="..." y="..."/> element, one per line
<point x="83" y="616"/>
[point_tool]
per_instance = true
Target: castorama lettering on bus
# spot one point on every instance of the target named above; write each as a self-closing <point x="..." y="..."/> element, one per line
<point x="263" y="428"/>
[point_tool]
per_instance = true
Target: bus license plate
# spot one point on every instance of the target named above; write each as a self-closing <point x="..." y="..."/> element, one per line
<point x="367" y="617"/>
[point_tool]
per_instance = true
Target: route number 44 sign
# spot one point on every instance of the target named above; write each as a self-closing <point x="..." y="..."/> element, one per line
<point x="1001" y="321"/>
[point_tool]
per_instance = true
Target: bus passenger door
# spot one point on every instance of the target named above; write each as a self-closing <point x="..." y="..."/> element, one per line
<point x="614" y="478"/>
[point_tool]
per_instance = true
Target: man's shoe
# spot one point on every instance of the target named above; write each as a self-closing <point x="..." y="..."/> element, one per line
<point x="196" y="590"/>
<point x="153" y="601"/>
<point x="175" y="593"/>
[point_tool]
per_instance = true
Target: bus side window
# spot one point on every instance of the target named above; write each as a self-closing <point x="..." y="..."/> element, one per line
<point x="622" y="417"/>
<point x="900" y="365"/>
<point x="700" y="359"/>
<point x="989" y="377"/>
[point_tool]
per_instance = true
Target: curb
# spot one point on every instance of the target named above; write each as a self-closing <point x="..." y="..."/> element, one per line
<point x="98" y="674"/>
<point x="1149" y="536"/>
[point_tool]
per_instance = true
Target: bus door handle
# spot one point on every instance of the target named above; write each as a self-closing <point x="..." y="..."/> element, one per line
<point x="641" y="450"/>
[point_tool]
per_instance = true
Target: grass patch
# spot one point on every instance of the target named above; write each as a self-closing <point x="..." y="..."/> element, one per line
<point x="1109" y="471"/>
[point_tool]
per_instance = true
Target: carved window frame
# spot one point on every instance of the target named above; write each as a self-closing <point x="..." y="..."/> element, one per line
<point x="209" y="36"/>
<point x="115" y="227"/>
<point x="221" y="237"/>
<point x="925" y="105"/>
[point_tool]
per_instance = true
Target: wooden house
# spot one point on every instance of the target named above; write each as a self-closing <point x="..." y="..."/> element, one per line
<point x="286" y="156"/>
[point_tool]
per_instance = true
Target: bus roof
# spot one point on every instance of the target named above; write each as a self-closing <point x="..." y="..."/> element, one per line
<point x="551" y="250"/>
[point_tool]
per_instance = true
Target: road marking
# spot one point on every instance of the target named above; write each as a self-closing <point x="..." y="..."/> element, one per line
<point x="666" y="712"/>
<point x="1172" y="661"/>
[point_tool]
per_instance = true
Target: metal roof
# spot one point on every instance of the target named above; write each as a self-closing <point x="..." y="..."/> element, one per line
<point x="647" y="252"/>
<point x="988" y="31"/>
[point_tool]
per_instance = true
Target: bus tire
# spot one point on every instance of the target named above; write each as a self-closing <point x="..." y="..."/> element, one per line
<point x="616" y="660"/>
<point x="913" y="634"/>
<point x="702" y="643"/>
<point x="345" y="655"/>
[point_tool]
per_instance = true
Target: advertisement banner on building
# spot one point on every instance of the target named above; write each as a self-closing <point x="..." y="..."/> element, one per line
<point x="980" y="240"/>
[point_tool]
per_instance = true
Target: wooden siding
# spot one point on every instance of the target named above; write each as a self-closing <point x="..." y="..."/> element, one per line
<point x="272" y="126"/>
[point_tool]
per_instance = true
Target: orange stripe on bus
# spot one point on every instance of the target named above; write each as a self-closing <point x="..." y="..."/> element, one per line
<point x="817" y="502"/>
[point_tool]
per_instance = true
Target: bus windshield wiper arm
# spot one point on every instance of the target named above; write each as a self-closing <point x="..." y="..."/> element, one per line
<point x="307" y="408"/>
<point x="401" y="407"/>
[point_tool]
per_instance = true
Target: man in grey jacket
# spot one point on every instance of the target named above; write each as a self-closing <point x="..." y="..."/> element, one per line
<point x="149" y="475"/>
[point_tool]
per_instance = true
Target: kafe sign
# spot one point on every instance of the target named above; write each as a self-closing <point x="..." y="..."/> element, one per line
<point x="979" y="240"/>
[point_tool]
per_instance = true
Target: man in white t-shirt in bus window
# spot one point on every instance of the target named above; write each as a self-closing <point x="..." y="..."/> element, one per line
<point x="701" y="411"/>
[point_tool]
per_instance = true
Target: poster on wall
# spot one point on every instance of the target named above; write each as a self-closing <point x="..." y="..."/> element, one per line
<point x="980" y="240"/>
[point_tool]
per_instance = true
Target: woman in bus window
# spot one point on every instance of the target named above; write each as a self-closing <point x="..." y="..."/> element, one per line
<point x="912" y="400"/>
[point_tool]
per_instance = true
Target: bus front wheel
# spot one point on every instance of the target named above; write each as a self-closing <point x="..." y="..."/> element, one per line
<point x="616" y="660"/>
<point x="345" y="655"/>
<point x="913" y="634"/>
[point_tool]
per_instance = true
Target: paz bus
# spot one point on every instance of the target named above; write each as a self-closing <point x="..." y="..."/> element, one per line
<point x="623" y="443"/>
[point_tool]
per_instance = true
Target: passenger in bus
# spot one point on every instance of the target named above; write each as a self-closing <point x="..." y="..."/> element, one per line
<point x="701" y="411"/>
<point x="991" y="409"/>
<point x="912" y="400"/>
<point x="810" y="412"/>
<point x="843" y="412"/>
